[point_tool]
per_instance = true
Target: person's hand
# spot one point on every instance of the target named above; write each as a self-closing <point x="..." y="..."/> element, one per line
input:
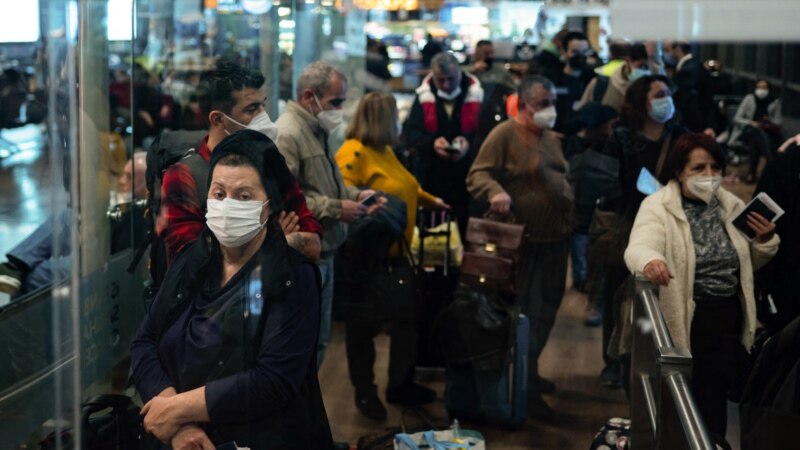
<point x="364" y="194"/>
<point x="755" y="124"/>
<point x="352" y="211"/>
<point x="463" y="147"/>
<point x="191" y="437"/>
<point x="479" y="66"/>
<point x="763" y="228"/>
<point x="710" y="132"/>
<point x="289" y="222"/>
<point x="792" y="140"/>
<point x="657" y="272"/>
<point x="440" y="146"/>
<point x="500" y="203"/>
<point x="379" y="204"/>
<point x="162" y="417"/>
<point x="440" y="204"/>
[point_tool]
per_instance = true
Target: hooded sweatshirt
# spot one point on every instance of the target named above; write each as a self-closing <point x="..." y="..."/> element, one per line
<point x="615" y="93"/>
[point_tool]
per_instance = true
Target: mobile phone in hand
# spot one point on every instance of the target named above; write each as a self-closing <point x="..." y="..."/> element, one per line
<point x="371" y="200"/>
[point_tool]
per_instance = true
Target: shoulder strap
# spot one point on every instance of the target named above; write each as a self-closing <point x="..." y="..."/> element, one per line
<point x="199" y="170"/>
<point x="662" y="156"/>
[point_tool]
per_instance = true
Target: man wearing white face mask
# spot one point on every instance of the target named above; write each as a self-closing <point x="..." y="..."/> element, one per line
<point x="521" y="169"/>
<point x="684" y="241"/>
<point x="303" y="141"/>
<point x="234" y="100"/>
<point x="440" y="130"/>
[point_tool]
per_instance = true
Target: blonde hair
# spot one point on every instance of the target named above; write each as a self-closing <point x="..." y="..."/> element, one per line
<point x="375" y="121"/>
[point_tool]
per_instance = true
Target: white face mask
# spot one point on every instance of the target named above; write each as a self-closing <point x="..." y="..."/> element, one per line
<point x="704" y="187"/>
<point x="261" y="123"/>
<point x="449" y="96"/>
<point x="545" y="118"/>
<point x="329" y="119"/>
<point x="762" y="93"/>
<point x="234" y="222"/>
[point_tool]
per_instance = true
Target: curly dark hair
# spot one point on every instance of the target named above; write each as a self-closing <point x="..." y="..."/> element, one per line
<point x="217" y="86"/>
<point x="634" y="110"/>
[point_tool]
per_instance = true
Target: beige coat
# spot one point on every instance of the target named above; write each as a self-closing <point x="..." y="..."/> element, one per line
<point x="661" y="231"/>
<point x="301" y="141"/>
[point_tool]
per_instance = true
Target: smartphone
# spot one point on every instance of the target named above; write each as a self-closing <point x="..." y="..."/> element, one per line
<point x="371" y="200"/>
<point x="454" y="148"/>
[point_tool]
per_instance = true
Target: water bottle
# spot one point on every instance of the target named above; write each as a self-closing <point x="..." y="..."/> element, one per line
<point x="455" y="427"/>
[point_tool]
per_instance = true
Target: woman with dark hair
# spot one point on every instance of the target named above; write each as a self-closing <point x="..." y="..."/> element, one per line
<point x="227" y="350"/>
<point x="683" y="240"/>
<point x="757" y="124"/>
<point x="642" y="140"/>
<point x="367" y="160"/>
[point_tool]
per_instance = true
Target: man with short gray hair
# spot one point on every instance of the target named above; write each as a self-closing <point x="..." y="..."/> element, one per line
<point x="521" y="169"/>
<point x="303" y="141"/>
<point x="440" y="130"/>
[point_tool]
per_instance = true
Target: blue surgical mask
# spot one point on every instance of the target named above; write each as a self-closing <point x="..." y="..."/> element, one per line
<point x="662" y="109"/>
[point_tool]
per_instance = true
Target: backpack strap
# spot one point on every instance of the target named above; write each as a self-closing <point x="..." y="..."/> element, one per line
<point x="600" y="88"/>
<point x="199" y="170"/>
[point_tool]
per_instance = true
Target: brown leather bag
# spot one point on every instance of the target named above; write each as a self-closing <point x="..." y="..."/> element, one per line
<point x="491" y="253"/>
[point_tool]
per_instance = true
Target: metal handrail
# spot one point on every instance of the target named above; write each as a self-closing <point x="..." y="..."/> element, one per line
<point x="692" y="424"/>
<point x="663" y="411"/>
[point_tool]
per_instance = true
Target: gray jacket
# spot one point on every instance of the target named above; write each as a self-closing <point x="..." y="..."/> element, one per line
<point x="746" y="112"/>
<point x="301" y="140"/>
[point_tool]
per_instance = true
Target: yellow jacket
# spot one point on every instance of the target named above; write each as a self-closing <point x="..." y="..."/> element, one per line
<point x="380" y="170"/>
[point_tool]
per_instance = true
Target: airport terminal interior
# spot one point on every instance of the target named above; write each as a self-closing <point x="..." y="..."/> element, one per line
<point x="517" y="332"/>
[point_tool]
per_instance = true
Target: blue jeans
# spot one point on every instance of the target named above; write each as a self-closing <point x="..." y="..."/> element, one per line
<point x="578" y="244"/>
<point x="45" y="264"/>
<point x="326" y="303"/>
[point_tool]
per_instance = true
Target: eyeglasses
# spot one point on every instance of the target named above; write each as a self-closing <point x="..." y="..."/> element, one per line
<point x="336" y="102"/>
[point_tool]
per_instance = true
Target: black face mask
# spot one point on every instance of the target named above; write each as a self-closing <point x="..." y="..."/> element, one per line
<point x="577" y="62"/>
<point x="488" y="61"/>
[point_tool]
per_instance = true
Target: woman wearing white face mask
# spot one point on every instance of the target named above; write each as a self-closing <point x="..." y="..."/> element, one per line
<point x="757" y="125"/>
<point x="683" y="241"/>
<point x="227" y="351"/>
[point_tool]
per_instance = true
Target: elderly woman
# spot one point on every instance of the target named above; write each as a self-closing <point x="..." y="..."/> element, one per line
<point x="684" y="242"/>
<point x="226" y="352"/>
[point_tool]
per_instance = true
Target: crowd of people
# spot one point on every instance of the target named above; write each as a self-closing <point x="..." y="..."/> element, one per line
<point x="242" y="318"/>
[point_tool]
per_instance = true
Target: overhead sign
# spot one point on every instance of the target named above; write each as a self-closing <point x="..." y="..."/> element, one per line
<point x="706" y="20"/>
<point x="577" y="4"/>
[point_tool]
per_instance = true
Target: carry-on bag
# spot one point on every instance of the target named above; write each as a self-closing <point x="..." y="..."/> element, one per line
<point x="485" y="343"/>
<point x="491" y="253"/>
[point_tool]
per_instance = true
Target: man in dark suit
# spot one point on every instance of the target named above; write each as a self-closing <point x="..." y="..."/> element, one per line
<point x="692" y="101"/>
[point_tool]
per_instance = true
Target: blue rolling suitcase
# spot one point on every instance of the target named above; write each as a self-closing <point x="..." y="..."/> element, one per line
<point x="493" y="396"/>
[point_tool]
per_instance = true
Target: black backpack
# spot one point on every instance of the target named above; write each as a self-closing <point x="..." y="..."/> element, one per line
<point x="167" y="149"/>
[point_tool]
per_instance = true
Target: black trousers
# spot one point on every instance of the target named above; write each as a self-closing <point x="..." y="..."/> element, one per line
<point x="718" y="356"/>
<point x="361" y="352"/>
<point x="758" y="143"/>
<point x="542" y="279"/>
